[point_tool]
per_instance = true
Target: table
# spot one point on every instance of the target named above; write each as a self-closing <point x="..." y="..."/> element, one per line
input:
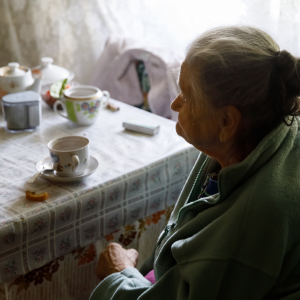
<point x="138" y="180"/>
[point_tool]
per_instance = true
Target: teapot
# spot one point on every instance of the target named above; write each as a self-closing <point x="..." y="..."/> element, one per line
<point x="15" y="78"/>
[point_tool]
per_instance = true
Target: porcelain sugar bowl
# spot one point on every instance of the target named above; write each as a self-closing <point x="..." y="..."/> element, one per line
<point x="15" y="78"/>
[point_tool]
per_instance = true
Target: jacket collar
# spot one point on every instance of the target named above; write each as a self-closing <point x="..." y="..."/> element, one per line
<point x="272" y="149"/>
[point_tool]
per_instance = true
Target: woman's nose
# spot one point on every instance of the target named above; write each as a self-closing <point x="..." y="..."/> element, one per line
<point x="176" y="104"/>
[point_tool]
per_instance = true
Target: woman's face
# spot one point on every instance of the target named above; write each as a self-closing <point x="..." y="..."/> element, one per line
<point x="197" y="123"/>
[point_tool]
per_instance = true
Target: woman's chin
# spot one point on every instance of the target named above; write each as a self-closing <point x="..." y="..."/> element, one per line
<point x="178" y="129"/>
<point x="180" y="132"/>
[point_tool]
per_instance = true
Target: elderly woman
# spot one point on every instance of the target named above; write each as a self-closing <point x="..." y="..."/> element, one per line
<point x="235" y="230"/>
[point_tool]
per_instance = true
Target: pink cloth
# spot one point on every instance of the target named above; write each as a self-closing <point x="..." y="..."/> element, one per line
<point x="150" y="276"/>
<point x="116" y="72"/>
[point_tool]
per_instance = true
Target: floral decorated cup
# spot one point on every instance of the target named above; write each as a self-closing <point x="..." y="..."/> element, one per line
<point x="70" y="155"/>
<point x="82" y="104"/>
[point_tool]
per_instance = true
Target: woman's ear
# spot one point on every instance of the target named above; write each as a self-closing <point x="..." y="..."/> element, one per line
<point x="229" y="122"/>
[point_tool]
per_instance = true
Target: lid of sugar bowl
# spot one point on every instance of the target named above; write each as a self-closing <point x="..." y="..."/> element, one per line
<point x="13" y="70"/>
<point x="50" y="72"/>
<point x="22" y="97"/>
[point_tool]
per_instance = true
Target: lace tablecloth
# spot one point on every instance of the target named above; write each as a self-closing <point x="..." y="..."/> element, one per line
<point x="138" y="176"/>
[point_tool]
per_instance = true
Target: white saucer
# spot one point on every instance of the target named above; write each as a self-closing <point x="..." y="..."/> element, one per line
<point x="91" y="168"/>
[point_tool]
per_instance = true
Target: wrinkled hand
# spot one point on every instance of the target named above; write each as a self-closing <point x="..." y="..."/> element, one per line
<point x="114" y="258"/>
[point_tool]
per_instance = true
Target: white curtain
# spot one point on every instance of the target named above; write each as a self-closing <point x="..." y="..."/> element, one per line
<point x="73" y="32"/>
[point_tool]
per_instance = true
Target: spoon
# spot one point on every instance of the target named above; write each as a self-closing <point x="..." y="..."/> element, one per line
<point x="46" y="167"/>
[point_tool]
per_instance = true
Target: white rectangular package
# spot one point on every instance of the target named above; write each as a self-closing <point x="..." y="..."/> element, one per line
<point x="144" y="128"/>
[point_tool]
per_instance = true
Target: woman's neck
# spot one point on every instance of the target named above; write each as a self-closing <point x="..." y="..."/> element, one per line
<point x="229" y="154"/>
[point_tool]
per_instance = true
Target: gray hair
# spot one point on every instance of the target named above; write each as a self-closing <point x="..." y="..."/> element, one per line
<point x="242" y="66"/>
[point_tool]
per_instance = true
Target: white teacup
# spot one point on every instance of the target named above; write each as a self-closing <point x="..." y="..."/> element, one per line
<point x="70" y="155"/>
<point x="81" y="104"/>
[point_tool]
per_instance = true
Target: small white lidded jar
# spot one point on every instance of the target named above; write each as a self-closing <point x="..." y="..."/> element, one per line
<point x="22" y="111"/>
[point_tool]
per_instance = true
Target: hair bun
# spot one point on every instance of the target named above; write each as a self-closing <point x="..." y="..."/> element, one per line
<point x="289" y="68"/>
<point x="284" y="60"/>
